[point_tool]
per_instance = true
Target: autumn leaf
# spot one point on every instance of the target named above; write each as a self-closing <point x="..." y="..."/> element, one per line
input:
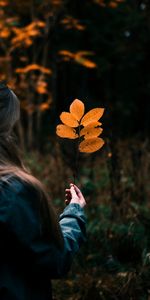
<point x="66" y="53"/>
<point x="24" y="36"/>
<point x="79" y="57"/>
<point x="66" y="132"/>
<point x="93" y="125"/>
<point x="68" y="119"/>
<point x="44" y="106"/>
<point x="71" y="23"/>
<point x="34" y="67"/>
<point x="41" y="87"/>
<point x="91" y="145"/>
<point x="5" y="33"/>
<point x="3" y="3"/>
<point x="93" y="115"/>
<point x="77" y="109"/>
<point x="90" y="132"/>
<point x="84" y="128"/>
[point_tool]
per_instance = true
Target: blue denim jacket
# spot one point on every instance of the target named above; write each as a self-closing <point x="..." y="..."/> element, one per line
<point x="28" y="261"/>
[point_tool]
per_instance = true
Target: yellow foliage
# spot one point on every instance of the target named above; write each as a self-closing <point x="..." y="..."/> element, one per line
<point x="93" y="115"/>
<point x="85" y="62"/>
<point x="24" y="36"/>
<point x="93" y="125"/>
<point x="3" y="3"/>
<point x="79" y="57"/>
<point x="71" y="23"/>
<point x="90" y="132"/>
<point x="4" y="33"/>
<point x="66" y="53"/>
<point x="68" y="119"/>
<point x="41" y="87"/>
<point x="77" y="109"/>
<point x="33" y="67"/>
<point x="44" y="106"/>
<point x="77" y="125"/>
<point x="91" y="145"/>
<point x="65" y="131"/>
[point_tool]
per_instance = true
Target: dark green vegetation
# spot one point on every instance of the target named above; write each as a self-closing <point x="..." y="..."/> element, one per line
<point x="115" y="261"/>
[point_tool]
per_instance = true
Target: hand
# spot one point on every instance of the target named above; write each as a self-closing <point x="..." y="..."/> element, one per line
<point x="74" y="195"/>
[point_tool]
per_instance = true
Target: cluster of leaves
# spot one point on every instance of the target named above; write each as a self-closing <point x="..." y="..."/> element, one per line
<point x="77" y="125"/>
<point x="72" y="23"/>
<point x="79" y="57"/>
<point x="16" y="37"/>
<point x="44" y="57"/>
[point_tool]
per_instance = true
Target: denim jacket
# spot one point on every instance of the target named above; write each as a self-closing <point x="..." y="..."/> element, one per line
<point x="28" y="260"/>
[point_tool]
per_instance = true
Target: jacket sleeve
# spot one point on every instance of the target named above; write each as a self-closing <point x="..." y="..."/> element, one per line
<point x="20" y="210"/>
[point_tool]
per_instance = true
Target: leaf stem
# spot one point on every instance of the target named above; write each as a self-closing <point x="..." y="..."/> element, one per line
<point x="76" y="173"/>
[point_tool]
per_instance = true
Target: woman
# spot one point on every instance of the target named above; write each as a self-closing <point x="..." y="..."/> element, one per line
<point x="34" y="246"/>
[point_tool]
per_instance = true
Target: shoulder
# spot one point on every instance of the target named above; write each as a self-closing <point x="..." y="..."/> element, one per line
<point x="13" y="188"/>
<point x="13" y="184"/>
<point x="18" y="202"/>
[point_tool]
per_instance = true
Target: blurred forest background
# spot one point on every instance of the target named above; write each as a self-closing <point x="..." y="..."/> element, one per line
<point x="51" y="52"/>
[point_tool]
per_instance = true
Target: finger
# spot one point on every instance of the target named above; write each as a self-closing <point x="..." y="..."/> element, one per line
<point x="71" y="184"/>
<point x="68" y="197"/>
<point x="78" y="191"/>
<point x="73" y="192"/>
<point x="67" y="193"/>
<point x="66" y="200"/>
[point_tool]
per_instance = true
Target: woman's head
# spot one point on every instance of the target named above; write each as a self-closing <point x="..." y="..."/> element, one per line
<point x="11" y="163"/>
<point x="9" y="110"/>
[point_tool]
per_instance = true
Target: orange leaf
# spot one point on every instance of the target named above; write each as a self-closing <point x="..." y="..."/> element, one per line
<point x="66" y="132"/>
<point x="68" y="119"/>
<point x="93" y="125"/>
<point x="80" y="58"/>
<point x="91" y="132"/>
<point x="40" y="23"/>
<point x="44" y="106"/>
<point x="66" y="53"/>
<point x="92" y="116"/>
<point x="33" y="67"/>
<point x="41" y="87"/>
<point x="3" y="3"/>
<point x="5" y="33"/>
<point x="85" y="62"/>
<point x="77" y="109"/>
<point x="91" y="145"/>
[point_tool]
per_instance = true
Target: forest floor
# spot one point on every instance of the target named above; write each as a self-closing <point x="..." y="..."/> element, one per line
<point x="114" y="263"/>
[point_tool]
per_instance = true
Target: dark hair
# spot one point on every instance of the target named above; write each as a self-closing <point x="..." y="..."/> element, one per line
<point x="11" y="164"/>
